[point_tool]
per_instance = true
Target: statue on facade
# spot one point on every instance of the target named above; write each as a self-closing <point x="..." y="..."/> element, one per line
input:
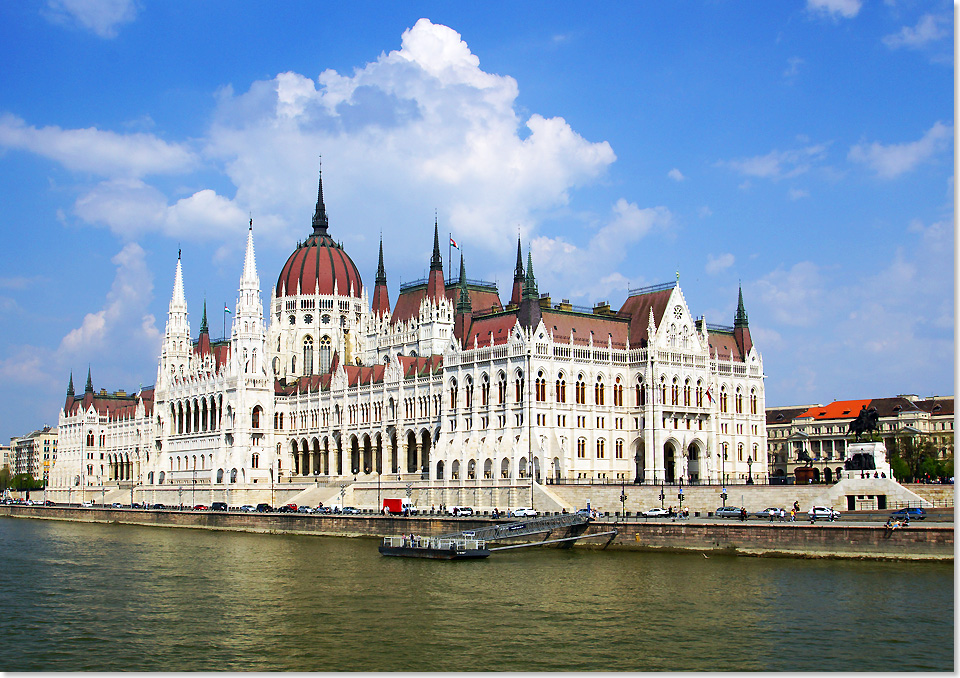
<point x="867" y="420"/>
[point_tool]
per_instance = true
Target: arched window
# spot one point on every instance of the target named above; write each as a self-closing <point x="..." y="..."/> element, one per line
<point x="484" y="390"/>
<point x="255" y="417"/>
<point x="501" y="388"/>
<point x="293" y="365"/>
<point x="325" y="354"/>
<point x="723" y="398"/>
<point x="619" y="448"/>
<point x="699" y="394"/>
<point x="686" y="393"/>
<point x="561" y="389"/>
<point x="581" y="448"/>
<point x="753" y="401"/>
<point x="580" y="391"/>
<point x="453" y="394"/>
<point x="468" y="392"/>
<point x="519" y="386"/>
<point x="598" y="390"/>
<point x="618" y="393"/>
<point x="600" y="448"/>
<point x="739" y="402"/>
<point x="308" y="355"/>
<point x="675" y="392"/>
<point x="540" y="388"/>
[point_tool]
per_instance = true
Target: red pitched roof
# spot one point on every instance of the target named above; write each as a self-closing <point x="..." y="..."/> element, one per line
<point x="499" y="325"/>
<point x="839" y="409"/>
<point x="408" y="304"/>
<point x="638" y="308"/>
<point x="581" y="325"/>
<point x="723" y="345"/>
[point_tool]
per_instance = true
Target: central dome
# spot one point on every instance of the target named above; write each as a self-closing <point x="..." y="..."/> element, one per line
<point x="319" y="264"/>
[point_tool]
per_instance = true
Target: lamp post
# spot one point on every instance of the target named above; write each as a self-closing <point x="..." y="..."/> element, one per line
<point x="379" y="504"/>
<point x="749" y="471"/>
<point x="531" y="483"/>
<point x="680" y="496"/>
<point x="193" y="489"/>
<point x="636" y="462"/>
<point x="272" y="495"/>
<point x="623" y="501"/>
<point x="661" y="495"/>
<point x="180" y="496"/>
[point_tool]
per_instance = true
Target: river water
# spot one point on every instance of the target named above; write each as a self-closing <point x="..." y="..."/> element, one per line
<point x="96" y="597"/>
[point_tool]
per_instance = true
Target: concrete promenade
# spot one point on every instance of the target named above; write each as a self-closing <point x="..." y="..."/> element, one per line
<point x="848" y="539"/>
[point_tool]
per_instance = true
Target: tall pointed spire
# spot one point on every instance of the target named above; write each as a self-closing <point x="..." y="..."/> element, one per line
<point x="89" y="387"/>
<point x="741" y="328"/>
<point x="740" y="320"/>
<point x="530" y="283"/>
<point x="516" y="294"/>
<point x="320" y="222"/>
<point x="178" y="298"/>
<point x="436" y="289"/>
<point x="463" y="302"/>
<point x="203" y="322"/>
<point x="436" y="263"/>
<point x="380" y="304"/>
<point x="518" y="271"/>
<point x="70" y="385"/>
<point x="250" y="276"/>
<point x="381" y="273"/>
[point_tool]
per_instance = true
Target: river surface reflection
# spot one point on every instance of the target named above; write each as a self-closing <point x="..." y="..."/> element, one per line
<point x="83" y="597"/>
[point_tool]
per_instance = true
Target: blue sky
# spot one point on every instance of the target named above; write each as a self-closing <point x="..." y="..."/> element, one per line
<point x="802" y="149"/>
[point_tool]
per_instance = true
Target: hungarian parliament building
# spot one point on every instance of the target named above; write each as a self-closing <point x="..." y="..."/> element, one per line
<point x="448" y="386"/>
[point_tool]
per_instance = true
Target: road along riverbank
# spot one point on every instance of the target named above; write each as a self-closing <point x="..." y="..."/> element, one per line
<point x="795" y="540"/>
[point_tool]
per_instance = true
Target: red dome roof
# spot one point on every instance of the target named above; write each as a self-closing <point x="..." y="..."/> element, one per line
<point x="318" y="263"/>
<point x="319" y="260"/>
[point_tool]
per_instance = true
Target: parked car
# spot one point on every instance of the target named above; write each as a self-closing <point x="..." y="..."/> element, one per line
<point x="460" y="510"/>
<point x="524" y="512"/>
<point x="200" y="507"/>
<point x="823" y="512"/>
<point x="728" y="512"/>
<point x="287" y="508"/>
<point x="352" y="510"/>
<point x="248" y="508"/>
<point x="768" y="513"/>
<point x="157" y="507"/>
<point x="87" y="504"/>
<point x="306" y="509"/>
<point x="655" y="512"/>
<point x="910" y="513"/>
<point x="324" y="509"/>
<point x="116" y="504"/>
<point x="218" y="506"/>
<point x="264" y="508"/>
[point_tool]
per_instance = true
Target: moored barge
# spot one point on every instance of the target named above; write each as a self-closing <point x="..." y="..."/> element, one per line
<point x="437" y="548"/>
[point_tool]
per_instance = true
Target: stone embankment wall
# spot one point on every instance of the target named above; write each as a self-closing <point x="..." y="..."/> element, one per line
<point x="921" y="542"/>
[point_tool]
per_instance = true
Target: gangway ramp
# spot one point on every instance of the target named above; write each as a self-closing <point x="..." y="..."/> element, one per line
<point x="523" y="528"/>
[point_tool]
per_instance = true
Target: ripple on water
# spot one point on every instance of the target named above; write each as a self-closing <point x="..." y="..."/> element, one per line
<point x="112" y="598"/>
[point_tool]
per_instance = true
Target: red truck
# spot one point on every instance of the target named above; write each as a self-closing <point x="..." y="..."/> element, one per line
<point x="398" y="507"/>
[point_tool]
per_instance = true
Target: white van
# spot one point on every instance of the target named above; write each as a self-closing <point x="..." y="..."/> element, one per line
<point x="460" y="510"/>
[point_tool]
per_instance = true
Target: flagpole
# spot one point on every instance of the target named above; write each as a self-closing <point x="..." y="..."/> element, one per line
<point x="449" y="250"/>
<point x="224" y="314"/>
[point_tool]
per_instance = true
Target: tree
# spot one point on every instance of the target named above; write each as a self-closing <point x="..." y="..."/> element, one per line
<point x="5" y="478"/>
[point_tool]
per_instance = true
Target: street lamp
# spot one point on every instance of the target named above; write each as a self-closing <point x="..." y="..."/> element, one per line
<point x="193" y="496"/>
<point x="749" y="471"/>
<point x="636" y="461"/>
<point x="623" y="501"/>
<point x="531" y="483"/>
<point x="661" y="495"/>
<point x="680" y="496"/>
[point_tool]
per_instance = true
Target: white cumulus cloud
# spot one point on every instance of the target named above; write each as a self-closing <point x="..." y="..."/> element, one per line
<point x="676" y="175"/>
<point x="100" y="152"/>
<point x="121" y="321"/>
<point x="928" y="29"/>
<point x="890" y="161"/>
<point x="719" y="263"/>
<point x="778" y="164"/>
<point x="560" y="262"/>
<point x="846" y="9"/>
<point x="102" y="17"/>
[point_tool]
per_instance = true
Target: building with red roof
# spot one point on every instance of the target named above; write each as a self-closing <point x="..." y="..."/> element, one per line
<point x="445" y="387"/>
<point x="817" y="436"/>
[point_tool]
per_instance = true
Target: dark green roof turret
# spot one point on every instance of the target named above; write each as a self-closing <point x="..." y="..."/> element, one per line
<point x="741" y="318"/>
<point x="530" y="283"/>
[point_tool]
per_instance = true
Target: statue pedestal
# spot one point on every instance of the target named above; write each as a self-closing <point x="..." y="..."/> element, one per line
<point x="865" y="455"/>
